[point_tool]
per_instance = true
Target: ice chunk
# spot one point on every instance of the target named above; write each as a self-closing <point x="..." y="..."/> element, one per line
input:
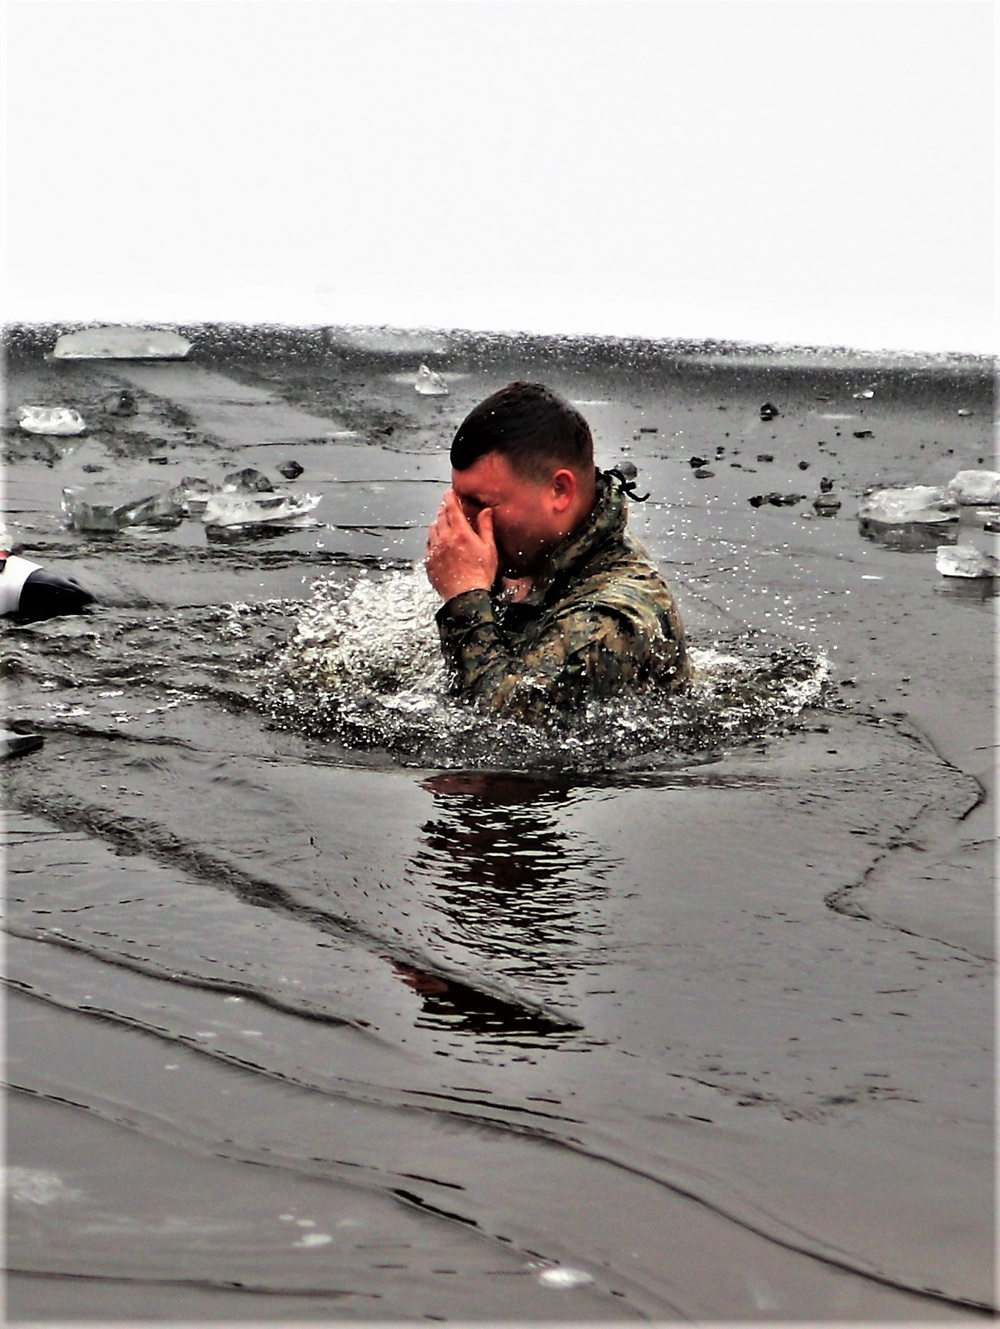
<point x="262" y="509"/>
<point x="84" y="513"/>
<point x="918" y="505"/>
<point x="61" y="420"/>
<point x="975" y="487"/>
<point x="564" y="1277"/>
<point x="920" y="517"/>
<point x="121" y="344"/>
<point x="184" y="493"/>
<point x="192" y="494"/>
<point x="106" y="507"/>
<point x="966" y="561"/>
<point x="429" y="383"/>
<point x="247" y="481"/>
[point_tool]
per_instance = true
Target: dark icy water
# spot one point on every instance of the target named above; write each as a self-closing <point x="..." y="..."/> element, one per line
<point x="328" y="1000"/>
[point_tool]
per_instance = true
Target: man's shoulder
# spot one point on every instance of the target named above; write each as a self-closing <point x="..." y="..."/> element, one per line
<point x="628" y="586"/>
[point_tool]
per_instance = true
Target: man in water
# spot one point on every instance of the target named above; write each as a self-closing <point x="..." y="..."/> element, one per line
<point x="547" y="601"/>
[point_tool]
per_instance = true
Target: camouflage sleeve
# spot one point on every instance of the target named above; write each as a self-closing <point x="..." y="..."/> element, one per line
<point x="589" y="651"/>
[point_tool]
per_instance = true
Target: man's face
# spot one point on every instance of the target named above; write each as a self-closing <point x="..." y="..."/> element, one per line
<point x="526" y="520"/>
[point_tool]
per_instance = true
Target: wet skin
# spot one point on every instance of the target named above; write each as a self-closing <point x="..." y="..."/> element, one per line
<point x="494" y="520"/>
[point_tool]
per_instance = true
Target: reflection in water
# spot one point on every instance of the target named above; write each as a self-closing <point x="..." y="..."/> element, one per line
<point x="912" y="536"/>
<point x="975" y="589"/>
<point x="455" y="1006"/>
<point x="512" y="887"/>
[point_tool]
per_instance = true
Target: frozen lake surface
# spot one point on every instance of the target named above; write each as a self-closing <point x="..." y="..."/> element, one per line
<point x="327" y="1000"/>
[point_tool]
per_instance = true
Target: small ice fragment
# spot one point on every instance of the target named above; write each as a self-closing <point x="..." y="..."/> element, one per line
<point x="919" y="503"/>
<point x="61" y="420"/>
<point x="31" y="1186"/>
<point x="864" y="396"/>
<point x="429" y="383"/>
<point x="314" y="1239"/>
<point x="261" y="509"/>
<point x="973" y="487"/>
<point x="966" y="561"/>
<point x="287" y="1218"/>
<point x="966" y="411"/>
<point x="196" y="502"/>
<point x="306" y="1222"/>
<point x="768" y="411"/>
<point x="564" y="1278"/>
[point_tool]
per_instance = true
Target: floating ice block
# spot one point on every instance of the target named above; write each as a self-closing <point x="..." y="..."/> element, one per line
<point x="920" y="504"/>
<point x="62" y="420"/>
<point x="966" y="561"/>
<point x="121" y="344"/>
<point x="106" y="507"/>
<point x="975" y="488"/>
<point x="274" y="509"/>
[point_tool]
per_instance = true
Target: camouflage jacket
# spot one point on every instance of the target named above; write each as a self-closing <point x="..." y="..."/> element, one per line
<point x="599" y="620"/>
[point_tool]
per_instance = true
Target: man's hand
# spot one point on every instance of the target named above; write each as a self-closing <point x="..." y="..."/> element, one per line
<point x="460" y="556"/>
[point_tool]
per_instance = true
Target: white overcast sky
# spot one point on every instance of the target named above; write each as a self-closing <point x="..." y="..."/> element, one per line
<point x="807" y="171"/>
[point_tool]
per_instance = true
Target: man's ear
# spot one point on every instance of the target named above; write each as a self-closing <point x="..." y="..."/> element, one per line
<point x="564" y="485"/>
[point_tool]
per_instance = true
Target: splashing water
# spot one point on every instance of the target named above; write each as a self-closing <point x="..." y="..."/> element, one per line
<point x="356" y="661"/>
<point x="364" y="667"/>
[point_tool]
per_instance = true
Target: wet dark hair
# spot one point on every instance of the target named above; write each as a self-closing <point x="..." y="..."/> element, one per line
<point x="530" y="425"/>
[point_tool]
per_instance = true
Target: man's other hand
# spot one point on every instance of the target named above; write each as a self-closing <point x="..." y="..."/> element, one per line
<point x="460" y="556"/>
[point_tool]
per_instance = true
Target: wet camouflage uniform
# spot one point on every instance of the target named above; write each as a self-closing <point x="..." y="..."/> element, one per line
<point x="599" y="620"/>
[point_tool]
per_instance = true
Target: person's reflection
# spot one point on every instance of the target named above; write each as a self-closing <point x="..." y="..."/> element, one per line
<point x="516" y="891"/>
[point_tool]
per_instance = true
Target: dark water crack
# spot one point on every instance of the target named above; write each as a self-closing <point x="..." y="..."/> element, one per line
<point x="203" y="1284"/>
